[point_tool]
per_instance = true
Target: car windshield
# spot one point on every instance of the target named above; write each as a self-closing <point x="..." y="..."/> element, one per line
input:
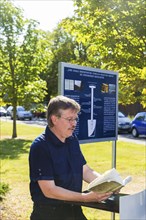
<point x="20" y="109"/>
<point x="2" y="109"/>
<point x="121" y="115"/>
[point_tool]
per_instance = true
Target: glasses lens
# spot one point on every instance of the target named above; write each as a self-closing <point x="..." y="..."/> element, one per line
<point x="77" y="119"/>
<point x="71" y="119"/>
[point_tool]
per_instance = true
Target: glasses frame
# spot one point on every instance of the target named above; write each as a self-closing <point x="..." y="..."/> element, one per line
<point x="71" y="120"/>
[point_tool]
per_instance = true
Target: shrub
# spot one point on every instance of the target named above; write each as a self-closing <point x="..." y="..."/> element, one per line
<point x="4" y="188"/>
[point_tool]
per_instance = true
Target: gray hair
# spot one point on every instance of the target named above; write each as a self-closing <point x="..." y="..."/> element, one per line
<point x="60" y="103"/>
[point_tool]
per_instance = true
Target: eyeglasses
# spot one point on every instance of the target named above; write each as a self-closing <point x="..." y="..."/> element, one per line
<point x="70" y="120"/>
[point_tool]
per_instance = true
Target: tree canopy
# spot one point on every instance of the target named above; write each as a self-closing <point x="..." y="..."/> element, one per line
<point x="102" y="34"/>
<point x="111" y="36"/>
<point x="20" y="60"/>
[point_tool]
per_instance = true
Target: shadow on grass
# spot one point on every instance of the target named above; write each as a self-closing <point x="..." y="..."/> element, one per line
<point x="13" y="148"/>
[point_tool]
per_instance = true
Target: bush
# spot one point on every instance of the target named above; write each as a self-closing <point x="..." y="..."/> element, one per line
<point x="39" y="111"/>
<point x="4" y="188"/>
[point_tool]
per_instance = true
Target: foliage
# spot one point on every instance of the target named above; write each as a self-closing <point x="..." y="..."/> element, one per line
<point x="39" y="110"/>
<point x="111" y="36"/>
<point x="4" y="189"/>
<point x="107" y="35"/>
<point x="61" y="50"/>
<point x="21" y="55"/>
<point x="143" y="77"/>
<point x="20" y="60"/>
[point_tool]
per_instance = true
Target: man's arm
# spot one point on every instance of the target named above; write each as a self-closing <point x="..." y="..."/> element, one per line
<point x="50" y="190"/>
<point x="88" y="174"/>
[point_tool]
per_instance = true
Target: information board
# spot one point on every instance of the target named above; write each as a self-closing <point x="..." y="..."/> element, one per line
<point x="96" y="91"/>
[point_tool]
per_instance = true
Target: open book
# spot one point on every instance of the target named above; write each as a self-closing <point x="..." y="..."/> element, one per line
<point x="110" y="181"/>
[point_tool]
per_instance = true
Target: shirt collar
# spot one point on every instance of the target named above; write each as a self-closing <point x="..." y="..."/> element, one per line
<point x="51" y="136"/>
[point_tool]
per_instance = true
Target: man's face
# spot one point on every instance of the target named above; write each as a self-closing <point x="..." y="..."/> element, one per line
<point x="65" y="124"/>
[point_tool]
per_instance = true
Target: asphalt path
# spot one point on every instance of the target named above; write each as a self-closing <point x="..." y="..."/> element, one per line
<point x="43" y="122"/>
<point x="129" y="138"/>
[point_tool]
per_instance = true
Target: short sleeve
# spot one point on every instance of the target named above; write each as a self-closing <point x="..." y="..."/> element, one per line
<point x="40" y="162"/>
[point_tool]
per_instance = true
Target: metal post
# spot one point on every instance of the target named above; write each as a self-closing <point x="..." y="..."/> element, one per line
<point x="113" y="216"/>
<point x="113" y="166"/>
<point x="114" y="154"/>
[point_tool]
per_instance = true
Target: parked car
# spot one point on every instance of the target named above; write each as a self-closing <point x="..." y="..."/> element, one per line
<point x="138" y="124"/>
<point x="9" y="110"/>
<point x="124" y="123"/>
<point x="21" y="113"/>
<point x="3" y="111"/>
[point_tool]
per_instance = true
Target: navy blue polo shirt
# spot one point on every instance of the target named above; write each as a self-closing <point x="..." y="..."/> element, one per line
<point x="51" y="159"/>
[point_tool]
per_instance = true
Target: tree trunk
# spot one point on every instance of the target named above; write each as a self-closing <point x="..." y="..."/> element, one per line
<point x="14" y="134"/>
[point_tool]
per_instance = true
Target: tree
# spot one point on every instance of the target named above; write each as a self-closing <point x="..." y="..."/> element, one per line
<point x="21" y="59"/>
<point x="111" y="36"/>
<point x="61" y="48"/>
<point x="143" y="77"/>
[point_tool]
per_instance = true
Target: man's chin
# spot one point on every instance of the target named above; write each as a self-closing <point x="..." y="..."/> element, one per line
<point x="70" y="133"/>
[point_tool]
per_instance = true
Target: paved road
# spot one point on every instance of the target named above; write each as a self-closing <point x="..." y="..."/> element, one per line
<point x="43" y="122"/>
<point x="130" y="138"/>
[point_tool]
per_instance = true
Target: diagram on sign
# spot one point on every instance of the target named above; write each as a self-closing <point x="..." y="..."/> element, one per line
<point x="92" y="121"/>
<point x="73" y="85"/>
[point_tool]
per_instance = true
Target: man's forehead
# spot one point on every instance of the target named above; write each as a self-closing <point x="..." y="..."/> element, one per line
<point x="68" y="112"/>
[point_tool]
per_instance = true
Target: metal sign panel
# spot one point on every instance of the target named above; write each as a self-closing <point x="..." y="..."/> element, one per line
<point x="96" y="91"/>
<point x="133" y="206"/>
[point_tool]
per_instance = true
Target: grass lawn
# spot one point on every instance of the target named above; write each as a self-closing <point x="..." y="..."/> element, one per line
<point x="14" y="169"/>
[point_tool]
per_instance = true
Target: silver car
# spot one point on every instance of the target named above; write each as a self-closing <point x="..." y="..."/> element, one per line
<point x="21" y="113"/>
<point x="124" y="123"/>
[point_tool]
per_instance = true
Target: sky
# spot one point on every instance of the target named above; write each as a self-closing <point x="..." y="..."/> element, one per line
<point x="47" y="12"/>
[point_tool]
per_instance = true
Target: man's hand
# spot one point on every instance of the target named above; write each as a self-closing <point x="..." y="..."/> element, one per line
<point x="96" y="197"/>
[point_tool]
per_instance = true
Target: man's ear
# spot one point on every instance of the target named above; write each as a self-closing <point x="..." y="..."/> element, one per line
<point x="54" y="119"/>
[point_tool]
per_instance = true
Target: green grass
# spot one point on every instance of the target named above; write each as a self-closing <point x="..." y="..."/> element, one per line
<point x="25" y="131"/>
<point x="130" y="159"/>
<point x="14" y="168"/>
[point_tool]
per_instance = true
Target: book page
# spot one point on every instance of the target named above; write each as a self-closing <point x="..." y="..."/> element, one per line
<point x="108" y="176"/>
<point x="106" y="187"/>
<point x="127" y="180"/>
<point x="110" y="181"/>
